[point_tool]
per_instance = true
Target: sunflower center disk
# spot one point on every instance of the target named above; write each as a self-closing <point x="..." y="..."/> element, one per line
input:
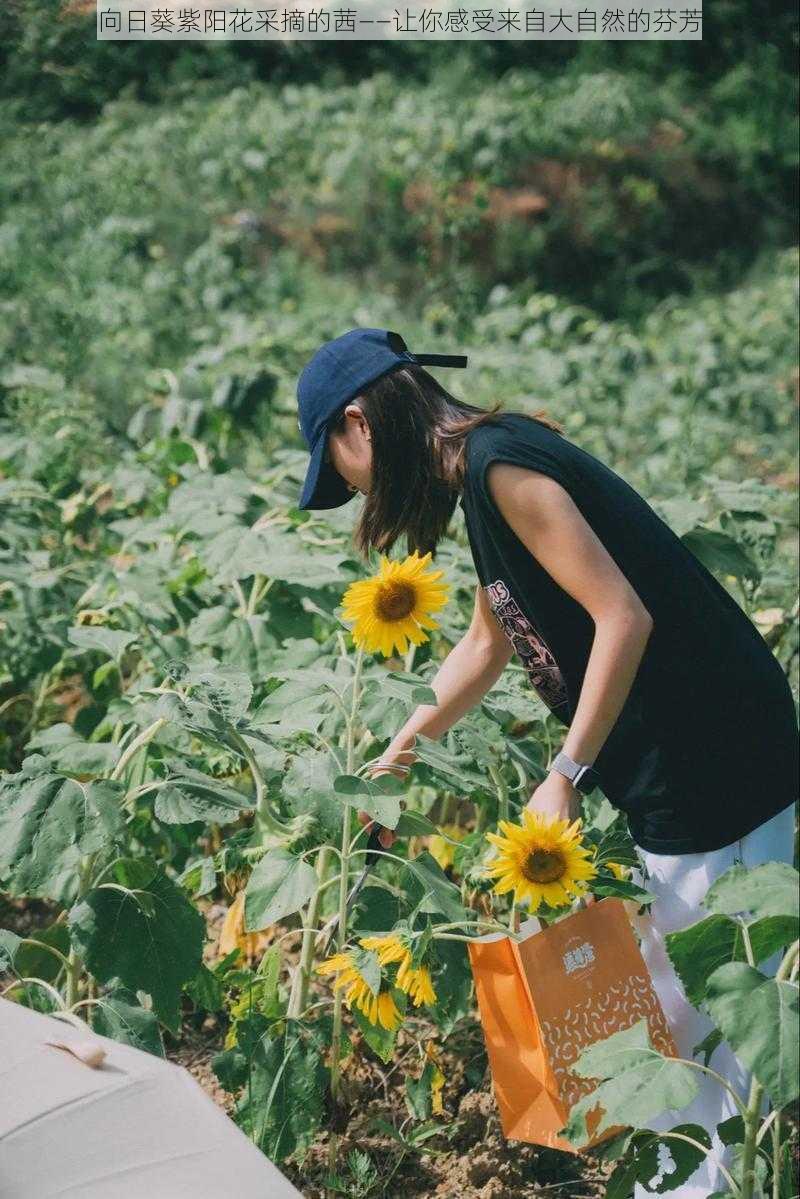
<point x="396" y="601"/>
<point x="542" y="866"/>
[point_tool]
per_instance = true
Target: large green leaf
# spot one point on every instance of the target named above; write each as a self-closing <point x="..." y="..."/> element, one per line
<point x="767" y="890"/>
<point x="612" y="843"/>
<point x="637" y="1083"/>
<point x="759" y="1168"/>
<point x="280" y="885"/>
<point x="120" y="1016"/>
<point x="721" y="553"/>
<point x="379" y="797"/>
<point x="141" y="929"/>
<point x="69" y="753"/>
<point x="698" y="950"/>
<point x="283" y="1103"/>
<point x="33" y="958"/>
<point x="432" y="889"/>
<point x="191" y="795"/>
<point x="772" y="933"/>
<point x="621" y="887"/>
<point x="222" y="689"/>
<point x="48" y="823"/>
<point x="409" y="687"/>
<point x="209" y="626"/>
<point x="307" y="789"/>
<point x="238" y="553"/>
<point x="250" y="644"/>
<point x="197" y="717"/>
<point x="298" y="705"/>
<point x="112" y="642"/>
<point x="758" y="1017"/>
<point x="415" y="824"/>
<point x="641" y="1161"/>
<point x="453" y="985"/>
<point x="377" y="911"/>
<point x="448" y="763"/>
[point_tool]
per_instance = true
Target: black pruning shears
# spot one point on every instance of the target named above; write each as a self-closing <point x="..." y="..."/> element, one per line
<point x="373" y="853"/>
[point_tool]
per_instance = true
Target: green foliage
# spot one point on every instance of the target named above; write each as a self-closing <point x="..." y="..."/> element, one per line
<point x="759" y="1018"/>
<point x="284" y="1099"/>
<point x="143" y="930"/>
<point x="120" y="1016"/>
<point x="699" y="949"/>
<point x="379" y="797"/>
<point x="757" y="1015"/>
<point x="48" y="823"/>
<point x="637" y="1082"/>
<point x="767" y="890"/>
<point x="280" y="885"/>
<point x="641" y="1161"/>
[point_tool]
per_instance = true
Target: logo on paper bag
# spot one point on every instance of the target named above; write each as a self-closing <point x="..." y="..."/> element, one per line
<point x="577" y="956"/>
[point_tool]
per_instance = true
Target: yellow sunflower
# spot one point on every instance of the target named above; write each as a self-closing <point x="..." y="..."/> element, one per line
<point x="233" y="936"/>
<point x="541" y="860"/>
<point x="393" y="608"/>
<point x="378" y="1009"/>
<point x="444" y="851"/>
<point x="415" y="981"/>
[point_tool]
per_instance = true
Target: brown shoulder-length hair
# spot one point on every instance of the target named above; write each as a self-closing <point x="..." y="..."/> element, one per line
<point x="418" y="432"/>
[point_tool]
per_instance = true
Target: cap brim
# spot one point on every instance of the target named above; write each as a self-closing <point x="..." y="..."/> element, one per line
<point x="324" y="487"/>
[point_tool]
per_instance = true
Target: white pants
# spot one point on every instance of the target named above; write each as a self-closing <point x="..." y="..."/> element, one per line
<point x="679" y="884"/>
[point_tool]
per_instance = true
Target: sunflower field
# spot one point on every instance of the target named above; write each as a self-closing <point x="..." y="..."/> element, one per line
<point x="198" y="680"/>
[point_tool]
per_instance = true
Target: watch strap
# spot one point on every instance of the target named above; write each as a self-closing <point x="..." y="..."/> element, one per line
<point x="583" y="778"/>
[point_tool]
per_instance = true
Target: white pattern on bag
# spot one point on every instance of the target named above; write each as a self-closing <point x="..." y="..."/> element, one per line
<point x="597" y="1017"/>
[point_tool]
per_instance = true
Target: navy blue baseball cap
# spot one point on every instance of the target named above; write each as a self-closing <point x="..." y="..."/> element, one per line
<point x="339" y="370"/>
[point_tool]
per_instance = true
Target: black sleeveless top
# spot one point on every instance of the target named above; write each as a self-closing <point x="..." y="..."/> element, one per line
<point x="705" y="748"/>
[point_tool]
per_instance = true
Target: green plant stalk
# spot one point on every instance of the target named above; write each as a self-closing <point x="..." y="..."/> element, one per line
<point x="302" y="977"/>
<point x="502" y="792"/>
<point x="341" y="939"/>
<point x="753" y="1113"/>
<point x="266" y="821"/>
<point x="144" y="738"/>
<point x="776" y="1157"/>
<point x="751" y="1117"/>
<point x="39" y="982"/>
<point x="74" y="962"/>
<point x="260" y="587"/>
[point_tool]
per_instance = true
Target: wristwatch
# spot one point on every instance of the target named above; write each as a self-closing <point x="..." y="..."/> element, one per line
<point x="583" y="778"/>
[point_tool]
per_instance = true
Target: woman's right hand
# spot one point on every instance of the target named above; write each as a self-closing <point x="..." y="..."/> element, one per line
<point x="386" y="836"/>
<point x="556" y="798"/>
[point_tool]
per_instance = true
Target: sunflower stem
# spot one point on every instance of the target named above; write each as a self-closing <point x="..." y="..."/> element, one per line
<point x="502" y="792"/>
<point x="341" y="939"/>
<point x="302" y="977"/>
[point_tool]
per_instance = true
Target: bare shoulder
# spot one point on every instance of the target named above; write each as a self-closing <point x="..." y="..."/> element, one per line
<point x="523" y="490"/>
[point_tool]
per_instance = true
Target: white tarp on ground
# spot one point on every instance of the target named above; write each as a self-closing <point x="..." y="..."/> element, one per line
<point x="135" y="1127"/>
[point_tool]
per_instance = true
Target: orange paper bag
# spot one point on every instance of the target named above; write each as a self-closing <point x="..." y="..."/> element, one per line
<point x="545" y="998"/>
